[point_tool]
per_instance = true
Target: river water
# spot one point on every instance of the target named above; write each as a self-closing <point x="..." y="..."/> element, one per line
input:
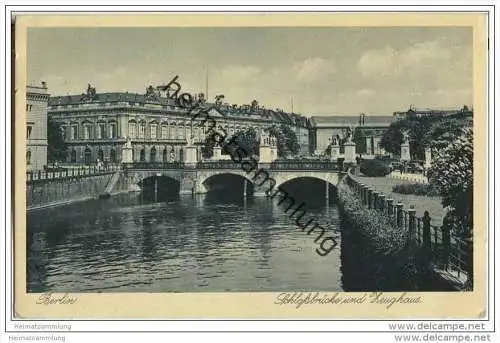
<point x="219" y="241"/>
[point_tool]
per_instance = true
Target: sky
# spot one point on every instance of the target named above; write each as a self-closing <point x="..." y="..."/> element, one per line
<point x="320" y="71"/>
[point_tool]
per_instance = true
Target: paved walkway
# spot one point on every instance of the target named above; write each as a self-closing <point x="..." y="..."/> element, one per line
<point x="421" y="203"/>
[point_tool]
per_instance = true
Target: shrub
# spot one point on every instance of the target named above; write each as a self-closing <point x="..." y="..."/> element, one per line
<point x="374" y="168"/>
<point x="429" y="190"/>
<point x="381" y="247"/>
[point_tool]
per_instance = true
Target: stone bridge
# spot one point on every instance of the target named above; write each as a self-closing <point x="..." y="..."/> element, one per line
<point x="196" y="179"/>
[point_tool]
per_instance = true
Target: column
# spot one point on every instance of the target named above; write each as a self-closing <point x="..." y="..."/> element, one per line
<point x="368" y="146"/>
<point x="376" y="142"/>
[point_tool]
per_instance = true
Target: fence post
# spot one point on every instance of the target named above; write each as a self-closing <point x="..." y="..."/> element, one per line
<point x="412" y="225"/>
<point x="381" y="201"/>
<point x="399" y="214"/>
<point x="369" y="198"/>
<point x="375" y="200"/>
<point x="426" y="232"/>
<point x="390" y="204"/>
<point x="360" y="191"/>
<point x="445" y="231"/>
<point x="365" y="195"/>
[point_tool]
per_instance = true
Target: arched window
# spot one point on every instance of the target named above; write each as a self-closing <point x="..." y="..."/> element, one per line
<point x="152" y="155"/>
<point x="73" y="156"/>
<point x="88" y="155"/>
<point x="101" y="130"/>
<point x="142" y="129"/>
<point x="28" y="157"/>
<point x="112" y="130"/>
<point x="153" y="127"/>
<point x="173" y="131"/>
<point x="181" y="155"/>
<point x="143" y="155"/>
<point x="165" y="155"/>
<point x="164" y="131"/>
<point x="100" y="155"/>
<point x="112" y="155"/>
<point x="87" y="131"/>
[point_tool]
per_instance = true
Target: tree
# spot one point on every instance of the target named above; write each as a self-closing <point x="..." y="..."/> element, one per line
<point x="57" y="149"/>
<point x="452" y="173"/>
<point x="420" y="130"/>
<point x="290" y="140"/>
<point x="246" y="140"/>
<point x="207" y="148"/>
<point x="286" y="140"/>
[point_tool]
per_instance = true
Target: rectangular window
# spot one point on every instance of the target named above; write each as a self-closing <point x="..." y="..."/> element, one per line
<point x="142" y="128"/>
<point x="86" y="132"/>
<point x="101" y="132"/>
<point x="73" y="132"/>
<point x="28" y="132"/>
<point x="112" y="130"/>
<point x="132" y="130"/>
<point x="153" y="128"/>
<point x="164" y="131"/>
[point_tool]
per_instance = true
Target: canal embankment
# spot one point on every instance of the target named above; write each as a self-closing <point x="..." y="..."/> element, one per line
<point x="49" y="189"/>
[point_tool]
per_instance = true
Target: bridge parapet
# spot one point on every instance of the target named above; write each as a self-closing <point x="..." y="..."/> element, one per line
<point x="153" y="165"/>
<point x="304" y="165"/>
<point x="229" y="164"/>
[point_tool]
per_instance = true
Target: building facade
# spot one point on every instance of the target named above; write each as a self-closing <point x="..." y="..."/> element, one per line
<point x="37" y="98"/>
<point x="96" y="125"/>
<point x="370" y="131"/>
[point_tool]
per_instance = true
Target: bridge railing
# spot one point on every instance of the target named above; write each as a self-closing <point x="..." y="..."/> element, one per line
<point x="304" y="165"/>
<point x="153" y="165"/>
<point x="61" y="173"/>
<point x="227" y="164"/>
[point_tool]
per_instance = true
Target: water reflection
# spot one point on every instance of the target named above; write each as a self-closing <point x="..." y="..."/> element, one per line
<point x="147" y="242"/>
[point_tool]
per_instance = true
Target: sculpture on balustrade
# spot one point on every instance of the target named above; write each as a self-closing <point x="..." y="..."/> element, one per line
<point x="406" y="137"/>
<point x="264" y="137"/>
<point x="189" y="138"/>
<point x="128" y="144"/>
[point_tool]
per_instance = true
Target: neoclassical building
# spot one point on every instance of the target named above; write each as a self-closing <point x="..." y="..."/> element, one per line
<point x="96" y="125"/>
<point x="37" y="98"/>
<point x="371" y="128"/>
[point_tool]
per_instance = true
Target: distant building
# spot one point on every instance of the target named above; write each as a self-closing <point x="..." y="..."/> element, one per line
<point x="37" y="98"/>
<point x="413" y="113"/>
<point x="371" y="128"/>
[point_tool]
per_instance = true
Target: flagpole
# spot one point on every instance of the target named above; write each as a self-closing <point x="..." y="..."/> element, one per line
<point x="206" y="84"/>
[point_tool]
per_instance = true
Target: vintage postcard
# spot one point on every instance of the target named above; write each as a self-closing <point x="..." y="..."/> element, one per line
<point x="251" y="165"/>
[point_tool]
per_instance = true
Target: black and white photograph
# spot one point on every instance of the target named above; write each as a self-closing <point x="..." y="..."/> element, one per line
<point x="249" y="159"/>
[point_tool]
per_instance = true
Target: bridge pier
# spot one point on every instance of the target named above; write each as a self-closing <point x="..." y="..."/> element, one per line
<point x="327" y="190"/>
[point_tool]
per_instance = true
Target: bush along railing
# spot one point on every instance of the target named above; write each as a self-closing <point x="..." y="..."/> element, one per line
<point x="62" y="173"/>
<point x="382" y="253"/>
<point x="433" y="245"/>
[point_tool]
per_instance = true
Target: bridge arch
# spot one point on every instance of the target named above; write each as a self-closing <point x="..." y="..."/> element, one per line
<point x="139" y="176"/>
<point x="329" y="177"/>
<point x="229" y="178"/>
